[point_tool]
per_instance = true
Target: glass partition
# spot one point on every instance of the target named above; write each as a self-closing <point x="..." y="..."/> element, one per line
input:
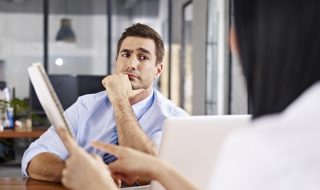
<point x="226" y="92"/>
<point x="218" y="54"/>
<point x="77" y="37"/>
<point x="93" y="36"/>
<point x="21" y="42"/>
<point x="185" y="91"/>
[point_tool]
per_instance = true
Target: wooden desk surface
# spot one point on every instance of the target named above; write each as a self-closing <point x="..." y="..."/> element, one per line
<point x="17" y="183"/>
<point x="18" y="134"/>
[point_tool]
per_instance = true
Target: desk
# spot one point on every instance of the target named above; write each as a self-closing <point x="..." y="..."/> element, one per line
<point x="20" y="134"/>
<point x="17" y="183"/>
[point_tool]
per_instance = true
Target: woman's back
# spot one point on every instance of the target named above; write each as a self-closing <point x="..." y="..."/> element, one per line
<point x="277" y="152"/>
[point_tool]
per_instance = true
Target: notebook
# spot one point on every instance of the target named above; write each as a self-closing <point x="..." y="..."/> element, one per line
<point x="191" y="144"/>
<point x="47" y="96"/>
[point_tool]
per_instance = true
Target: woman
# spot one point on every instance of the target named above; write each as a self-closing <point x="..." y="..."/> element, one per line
<point x="278" y="44"/>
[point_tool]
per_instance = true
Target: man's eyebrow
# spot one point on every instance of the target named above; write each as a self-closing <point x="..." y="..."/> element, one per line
<point x="126" y="50"/>
<point x="144" y="50"/>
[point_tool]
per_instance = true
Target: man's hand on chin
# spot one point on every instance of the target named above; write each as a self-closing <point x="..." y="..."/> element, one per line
<point x="119" y="88"/>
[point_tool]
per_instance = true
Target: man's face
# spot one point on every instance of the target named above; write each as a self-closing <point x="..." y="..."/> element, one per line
<point x="137" y="58"/>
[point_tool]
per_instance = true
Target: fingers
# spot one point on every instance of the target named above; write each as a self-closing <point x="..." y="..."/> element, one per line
<point x="112" y="149"/>
<point x="104" y="82"/>
<point x="66" y="181"/>
<point x="66" y="139"/>
<point x="117" y="180"/>
<point x="117" y="166"/>
<point x="128" y="180"/>
<point x="70" y="180"/>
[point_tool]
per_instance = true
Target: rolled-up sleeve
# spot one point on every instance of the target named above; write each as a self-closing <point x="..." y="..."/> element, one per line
<point x="50" y="141"/>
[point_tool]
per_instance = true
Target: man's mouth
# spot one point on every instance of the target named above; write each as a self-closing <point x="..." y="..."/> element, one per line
<point x="131" y="75"/>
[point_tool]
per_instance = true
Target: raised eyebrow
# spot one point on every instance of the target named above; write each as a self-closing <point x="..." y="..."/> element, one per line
<point x="144" y="51"/>
<point x="126" y="51"/>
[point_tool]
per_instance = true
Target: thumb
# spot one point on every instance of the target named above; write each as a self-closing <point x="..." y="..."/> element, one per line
<point x="66" y="139"/>
<point x="137" y="92"/>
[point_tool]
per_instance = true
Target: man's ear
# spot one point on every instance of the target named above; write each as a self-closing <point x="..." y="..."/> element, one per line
<point x="159" y="68"/>
<point x="233" y="41"/>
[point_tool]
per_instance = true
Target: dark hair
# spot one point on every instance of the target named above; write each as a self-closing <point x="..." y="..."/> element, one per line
<point x="279" y="47"/>
<point x="144" y="31"/>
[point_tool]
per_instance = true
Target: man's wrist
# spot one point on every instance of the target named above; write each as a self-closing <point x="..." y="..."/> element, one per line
<point x="120" y="102"/>
<point x="114" y="99"/>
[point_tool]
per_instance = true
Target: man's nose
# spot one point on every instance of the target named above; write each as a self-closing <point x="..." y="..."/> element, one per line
<point x="133" y="63"/>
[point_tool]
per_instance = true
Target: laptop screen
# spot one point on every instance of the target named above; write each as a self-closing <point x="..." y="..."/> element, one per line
<point x="191" y="144"/>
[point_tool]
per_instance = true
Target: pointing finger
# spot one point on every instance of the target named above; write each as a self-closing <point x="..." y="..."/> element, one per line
<point x="112" y="149"/>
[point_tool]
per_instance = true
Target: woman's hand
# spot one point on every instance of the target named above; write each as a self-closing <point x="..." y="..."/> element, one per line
<point x="84" y="171"/>
<point x="130" y="163"/>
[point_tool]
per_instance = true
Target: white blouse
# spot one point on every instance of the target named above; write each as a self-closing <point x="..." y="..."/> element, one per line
<point x="279" y="151"/>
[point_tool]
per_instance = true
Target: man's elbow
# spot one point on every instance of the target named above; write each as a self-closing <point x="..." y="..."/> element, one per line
<point x="46" y="167"/>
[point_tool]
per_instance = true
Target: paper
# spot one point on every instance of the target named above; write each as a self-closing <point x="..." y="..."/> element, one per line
<point x="47" y="96"/>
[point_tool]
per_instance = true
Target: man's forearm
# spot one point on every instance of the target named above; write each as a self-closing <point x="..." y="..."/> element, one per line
<point x="46" y="166"/>
<point x="129" y="131"/>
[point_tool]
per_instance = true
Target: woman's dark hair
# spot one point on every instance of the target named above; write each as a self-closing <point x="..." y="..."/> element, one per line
<point x="279" y="47"/>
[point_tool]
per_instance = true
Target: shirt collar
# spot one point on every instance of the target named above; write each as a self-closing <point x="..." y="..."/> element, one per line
<point x="141" y="107"/>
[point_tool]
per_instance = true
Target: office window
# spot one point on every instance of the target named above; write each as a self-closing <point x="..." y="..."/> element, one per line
<point x="185" y="91"/>
<point x="21" y="42"/>
<point x="218" y="56"/>
<point x="23" y="30"/>
<point x="77" y="37"/>
<point x="226" y="91"/>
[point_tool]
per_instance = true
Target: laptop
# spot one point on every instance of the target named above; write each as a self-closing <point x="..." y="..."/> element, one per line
<point x="191" y="144"/>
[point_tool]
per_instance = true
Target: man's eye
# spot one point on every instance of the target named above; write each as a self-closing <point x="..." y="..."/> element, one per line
<point x="143" y="58"/>
<point x="125" y="55"/>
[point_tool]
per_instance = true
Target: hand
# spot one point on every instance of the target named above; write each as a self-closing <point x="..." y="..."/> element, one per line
<point x="83" y="171"/>
<point x="130" y="163"/>
<point x="119" y="88"/>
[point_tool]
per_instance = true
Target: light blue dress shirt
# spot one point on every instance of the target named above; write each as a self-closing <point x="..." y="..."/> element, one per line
<point x="91" y="117"/>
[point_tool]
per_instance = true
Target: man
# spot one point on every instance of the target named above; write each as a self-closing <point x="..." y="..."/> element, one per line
<point x="130" y="113"/>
